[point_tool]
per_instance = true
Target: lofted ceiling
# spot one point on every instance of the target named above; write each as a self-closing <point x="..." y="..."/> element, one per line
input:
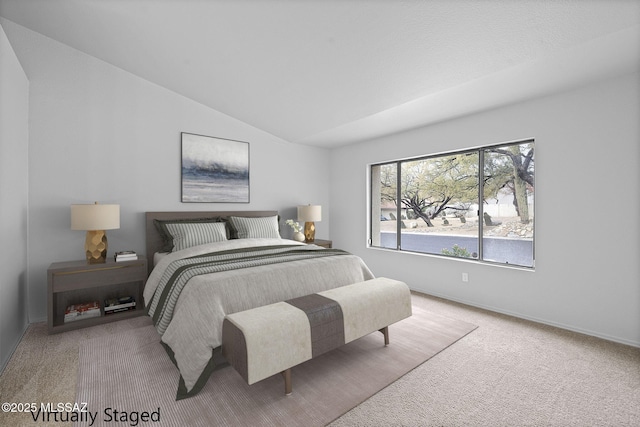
<point x="332" y="72"/>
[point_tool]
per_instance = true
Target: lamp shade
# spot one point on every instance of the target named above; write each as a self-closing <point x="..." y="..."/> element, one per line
<point x="310" y="213"/>
<point x="95" y="217"/>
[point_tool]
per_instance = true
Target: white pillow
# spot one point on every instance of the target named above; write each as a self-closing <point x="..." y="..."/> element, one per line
<point x="190" y="234"/>
<point x="260" y="227"/>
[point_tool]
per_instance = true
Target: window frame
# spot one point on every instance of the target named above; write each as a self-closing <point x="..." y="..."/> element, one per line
<point x="480" y="150"/>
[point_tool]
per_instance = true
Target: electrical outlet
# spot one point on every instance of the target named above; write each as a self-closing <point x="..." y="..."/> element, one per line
<point x="465" y="277"/>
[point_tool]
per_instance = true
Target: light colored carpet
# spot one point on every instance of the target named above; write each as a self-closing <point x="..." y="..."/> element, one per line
<point x="511" y="372"/>
<point x="508" y="372"/>
<point x="130" y="372"/>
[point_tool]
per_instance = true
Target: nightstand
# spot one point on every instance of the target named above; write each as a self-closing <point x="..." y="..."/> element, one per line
<point x="76" y="282"/>
<point x="324" y="243"/>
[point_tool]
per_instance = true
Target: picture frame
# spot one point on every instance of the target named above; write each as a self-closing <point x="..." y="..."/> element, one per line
<point x="214" y="170"/>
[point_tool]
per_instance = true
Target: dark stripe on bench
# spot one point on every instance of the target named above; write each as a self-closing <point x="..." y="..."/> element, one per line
<point x="326" y="321"/>
<point x="236" y="351"/>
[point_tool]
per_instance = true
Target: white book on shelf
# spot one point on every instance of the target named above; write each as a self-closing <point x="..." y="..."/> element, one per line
<point x="119" y="306"/>
<point x="126" y="256"/>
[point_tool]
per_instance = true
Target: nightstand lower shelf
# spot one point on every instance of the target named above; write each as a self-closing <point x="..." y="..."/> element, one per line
<point x="77" y="282"/>
<point x="60" y="326"/>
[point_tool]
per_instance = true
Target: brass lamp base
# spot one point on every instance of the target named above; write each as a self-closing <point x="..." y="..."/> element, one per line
<point x="95" y="247"/>
<point x="309" y="232"/>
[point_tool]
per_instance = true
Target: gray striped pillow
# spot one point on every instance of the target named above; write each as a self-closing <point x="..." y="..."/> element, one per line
<point x="260" y="227"/>
<point x="186" y="235"/>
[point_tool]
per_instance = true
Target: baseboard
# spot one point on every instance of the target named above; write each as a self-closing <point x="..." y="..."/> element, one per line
<point x="538" y="320"/>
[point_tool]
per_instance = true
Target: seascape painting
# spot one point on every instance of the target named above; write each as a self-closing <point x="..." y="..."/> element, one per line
<point x="214" y="170"/>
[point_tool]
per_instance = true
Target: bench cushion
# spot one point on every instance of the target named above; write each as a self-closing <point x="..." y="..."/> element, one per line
<point x="267" y="340"/>
<point x="371" y="305"/>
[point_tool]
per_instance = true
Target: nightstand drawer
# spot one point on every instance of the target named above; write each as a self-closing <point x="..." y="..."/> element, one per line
<point x="324" y="243"/>
<point x="87" y="278"/>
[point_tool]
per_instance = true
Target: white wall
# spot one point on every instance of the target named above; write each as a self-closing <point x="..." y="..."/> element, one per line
<point x="98" y="133"/>
<point x="587" y="272"/>
<point x="14" y="178"/>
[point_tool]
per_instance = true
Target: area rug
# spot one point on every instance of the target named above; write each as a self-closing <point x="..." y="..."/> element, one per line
<point x="128" y="379"/>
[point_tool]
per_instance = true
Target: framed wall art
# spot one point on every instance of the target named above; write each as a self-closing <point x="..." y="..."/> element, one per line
<point x="214" y="170"/>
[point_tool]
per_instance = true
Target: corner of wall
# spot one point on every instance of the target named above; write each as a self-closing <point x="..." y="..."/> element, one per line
<point x="14" y="178"/>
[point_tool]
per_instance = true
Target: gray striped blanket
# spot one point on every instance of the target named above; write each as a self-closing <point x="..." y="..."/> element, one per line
<point x="179" y="272"/>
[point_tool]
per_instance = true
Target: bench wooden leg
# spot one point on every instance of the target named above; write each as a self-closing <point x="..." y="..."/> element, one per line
<point x="385" y="332"/>
<point x="288" y="388"/>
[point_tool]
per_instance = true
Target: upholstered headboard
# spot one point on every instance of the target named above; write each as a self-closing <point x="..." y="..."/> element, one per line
<point x="154" y="240"/>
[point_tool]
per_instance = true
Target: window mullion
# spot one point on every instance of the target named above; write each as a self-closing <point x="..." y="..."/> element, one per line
<point x="480" y="203"/>
<point x="398" y="206"/>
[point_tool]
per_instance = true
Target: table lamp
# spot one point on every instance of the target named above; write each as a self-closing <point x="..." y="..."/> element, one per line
<point x="309" y="214"/>
<point x="95" y="219"/>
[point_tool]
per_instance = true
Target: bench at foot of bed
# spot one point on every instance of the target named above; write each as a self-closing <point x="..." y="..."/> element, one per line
<point x="272" y="339"/>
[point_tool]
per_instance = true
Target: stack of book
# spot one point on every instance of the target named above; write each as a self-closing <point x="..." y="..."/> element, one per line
<point x="117" y="305"/>
<point x="125" y="256"/>
<point x="82" y="311"/>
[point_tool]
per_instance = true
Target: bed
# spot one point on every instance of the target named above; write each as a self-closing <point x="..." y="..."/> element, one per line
<point x="205" y="265"/>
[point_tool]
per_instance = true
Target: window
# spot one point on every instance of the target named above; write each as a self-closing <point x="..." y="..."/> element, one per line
<point x="475" y="204"/>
